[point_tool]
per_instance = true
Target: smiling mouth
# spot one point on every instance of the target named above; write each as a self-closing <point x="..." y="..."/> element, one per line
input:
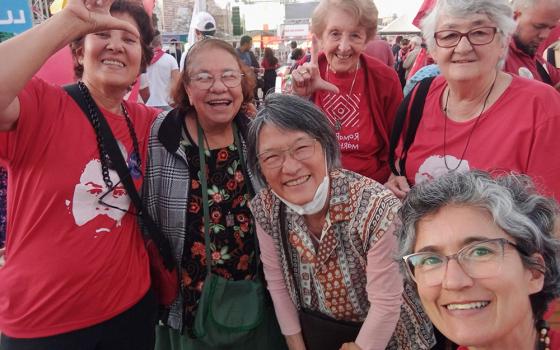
<point x="113" y="63"/>
<point x="215" y="103"/>
<point x="342" y="57"/>
<point x="467" y="306"/>
<point x="462" y="61"/>
<point x="297" y="181"/>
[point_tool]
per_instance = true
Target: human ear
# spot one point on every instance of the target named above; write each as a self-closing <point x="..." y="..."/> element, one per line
<point x="536" y="275"/>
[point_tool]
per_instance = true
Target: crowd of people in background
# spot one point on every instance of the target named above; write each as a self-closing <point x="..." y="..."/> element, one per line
<point x="391" y="193"/>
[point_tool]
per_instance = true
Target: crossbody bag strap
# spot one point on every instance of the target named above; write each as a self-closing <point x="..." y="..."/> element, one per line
<point x="415" y="102"/>
<point x="543" y="73"/>
<point x="122" y="170"/>
<point x="287" y="251"/>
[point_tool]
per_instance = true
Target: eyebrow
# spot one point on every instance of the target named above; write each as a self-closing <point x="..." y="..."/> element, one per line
<point x="286" y="148"/>
<point x="477" y="23"/>
<point x="467" y="241"/>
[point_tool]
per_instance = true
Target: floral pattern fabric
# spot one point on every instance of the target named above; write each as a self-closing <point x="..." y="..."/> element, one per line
<point x="231" y="225"/>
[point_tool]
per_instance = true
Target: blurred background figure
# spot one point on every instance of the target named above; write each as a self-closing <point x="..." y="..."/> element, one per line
<point x="204" y="27"/>
<point x="269" y="63"/>
<point x="162" y="73"/>
<point x="380" y="49"/>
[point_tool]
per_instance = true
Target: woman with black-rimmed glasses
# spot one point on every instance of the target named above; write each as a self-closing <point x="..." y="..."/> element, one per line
<point x="484" y="257"/>
<point x="201" y="144"/>
<point x="476" y="116"/>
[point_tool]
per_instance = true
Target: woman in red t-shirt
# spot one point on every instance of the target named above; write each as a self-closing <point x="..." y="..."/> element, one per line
<point x="358" y="94"/>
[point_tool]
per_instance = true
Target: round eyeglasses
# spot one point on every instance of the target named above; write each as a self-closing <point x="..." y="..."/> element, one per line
<point x="204" y="81"/>
<point x="481" y="259"/>
<point x="301" y="150"/>
<point x="477" y="36"/>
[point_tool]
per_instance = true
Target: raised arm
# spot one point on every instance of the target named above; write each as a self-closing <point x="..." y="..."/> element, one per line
<point x="24" y="54"/>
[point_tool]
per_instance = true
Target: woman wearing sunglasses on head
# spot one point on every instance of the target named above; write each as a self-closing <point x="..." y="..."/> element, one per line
<point x="484" y="258"/>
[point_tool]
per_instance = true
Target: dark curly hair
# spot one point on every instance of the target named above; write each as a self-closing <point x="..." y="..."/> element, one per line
<point x="144" y="24"/>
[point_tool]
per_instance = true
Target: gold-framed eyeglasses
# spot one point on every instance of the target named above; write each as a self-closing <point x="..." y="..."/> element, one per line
<point x="476" y="36"/>
<point x="481" y="259"/>
<point x="204" y="81"/>
<point x="301" y="150"/>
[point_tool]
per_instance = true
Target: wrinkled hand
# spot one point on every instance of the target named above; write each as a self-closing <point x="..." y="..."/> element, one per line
<point x="350" y="346"/>
<point x="95" y="16"/>
<point x="398" y="185"/>
<point x="306" y="79"/>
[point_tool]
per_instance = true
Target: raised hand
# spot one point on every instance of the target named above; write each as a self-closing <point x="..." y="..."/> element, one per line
<point x="307" y="78"/>
<point x="95" y="16"/>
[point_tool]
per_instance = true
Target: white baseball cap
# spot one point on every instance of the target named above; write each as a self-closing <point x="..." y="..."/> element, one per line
<point x="204" y="22"/>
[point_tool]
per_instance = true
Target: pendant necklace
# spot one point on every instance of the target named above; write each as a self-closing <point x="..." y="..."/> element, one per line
<point x="472" y="129"/>
<point x="338" y="123"/>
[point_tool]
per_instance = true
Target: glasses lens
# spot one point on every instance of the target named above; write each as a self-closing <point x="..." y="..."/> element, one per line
<point x="231" y="79"/>
<point x="447" y="38"/>
<point x="426" y="268"/>
<point x="202" y="80"/>
<point x="303" y="149"/>
<point x="481" y="36"/>
<point x="270" y="159"/>
<point x="482" y="259"/>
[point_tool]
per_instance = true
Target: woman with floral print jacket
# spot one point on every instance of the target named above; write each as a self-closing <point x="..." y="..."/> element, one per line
<point x="209" y="97"/>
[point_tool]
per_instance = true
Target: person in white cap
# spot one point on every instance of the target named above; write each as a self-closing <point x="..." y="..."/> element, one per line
<point x="204" y="26"/>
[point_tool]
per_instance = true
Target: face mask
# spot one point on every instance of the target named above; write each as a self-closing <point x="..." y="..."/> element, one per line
<point x="316" y="204"/>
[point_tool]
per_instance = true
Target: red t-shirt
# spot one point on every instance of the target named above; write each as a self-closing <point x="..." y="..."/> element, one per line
<point x="519" y="63"/>
<point x="520" y="132"/>
<point x="70" y="262"/>
<point x="349" y="114"/>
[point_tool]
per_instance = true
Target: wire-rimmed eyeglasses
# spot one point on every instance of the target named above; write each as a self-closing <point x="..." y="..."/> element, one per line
<point x="204" y="81"/>
<point x="476" y="36"/>
<point x="482" y="259"/>
<point x="300" y="150"/>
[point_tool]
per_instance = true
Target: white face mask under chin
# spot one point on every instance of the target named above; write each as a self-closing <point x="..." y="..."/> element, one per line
<point x="316" y="204"/>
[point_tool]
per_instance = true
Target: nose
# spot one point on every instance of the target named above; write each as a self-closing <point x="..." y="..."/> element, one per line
<point x="115" y="43"/>
<point x="344" y="43"/>
<point x="218" y="85"/>
<point x="463" y="44"/>
<point x="290" y="164"/>
<point x="455" y="277"/>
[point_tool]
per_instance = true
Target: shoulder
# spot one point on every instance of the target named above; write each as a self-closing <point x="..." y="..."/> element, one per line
<point x="363" y="186"/>
<point x="534" y="91"/>
<point x="378" y="69"/>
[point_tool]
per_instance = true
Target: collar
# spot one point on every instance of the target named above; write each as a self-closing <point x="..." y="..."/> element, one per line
<point x="170" y="132"/>
<point x="339" y="204"/>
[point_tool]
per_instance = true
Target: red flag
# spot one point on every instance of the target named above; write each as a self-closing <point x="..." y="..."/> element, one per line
<point x="426" y="7"/>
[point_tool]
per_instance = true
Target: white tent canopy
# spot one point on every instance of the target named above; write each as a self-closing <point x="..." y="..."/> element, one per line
<point x="401" y="25"/>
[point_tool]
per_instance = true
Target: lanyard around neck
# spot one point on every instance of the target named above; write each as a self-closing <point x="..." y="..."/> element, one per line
<point x="204" y="187"/>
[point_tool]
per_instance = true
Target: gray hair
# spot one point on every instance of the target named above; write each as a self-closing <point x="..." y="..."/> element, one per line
<point x="515" y="206"/>
<point x="291" y="113"/>
<point x="499" y="12"/>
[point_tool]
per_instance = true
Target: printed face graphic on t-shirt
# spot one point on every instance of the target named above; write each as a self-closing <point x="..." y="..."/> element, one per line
<point x="435" y="166"/>
<point x="85" y="203"/>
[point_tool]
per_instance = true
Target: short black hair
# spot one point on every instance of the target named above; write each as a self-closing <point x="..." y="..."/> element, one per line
<point x="245" y="39"/>
<point x="293" y="44"/>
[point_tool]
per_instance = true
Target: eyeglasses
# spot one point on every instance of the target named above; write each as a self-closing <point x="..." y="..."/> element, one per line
<point x="301" y="150"/>
<point x="477" y="36"/>
<point x="482" y="259"/>
<point x="204" y="81"/>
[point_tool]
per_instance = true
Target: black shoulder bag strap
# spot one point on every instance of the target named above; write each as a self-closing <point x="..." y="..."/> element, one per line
<point x="288" y="252"/>
<point x="119" y="163"/>
<point x="418" y="97"/>
<point x="543" y="73"/>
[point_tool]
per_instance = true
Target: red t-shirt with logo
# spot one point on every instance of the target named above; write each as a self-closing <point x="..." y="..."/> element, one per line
<point x="519" y="132"/>
<point x="70" y="261"/>
<point x="350" y="116"/>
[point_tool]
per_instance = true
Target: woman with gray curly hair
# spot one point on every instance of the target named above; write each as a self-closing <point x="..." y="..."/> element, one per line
<point x="475" y="115"/>
<point x="484" y="257"/>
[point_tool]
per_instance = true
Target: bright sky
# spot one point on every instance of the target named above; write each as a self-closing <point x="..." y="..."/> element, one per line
<point x="273" y="13"/>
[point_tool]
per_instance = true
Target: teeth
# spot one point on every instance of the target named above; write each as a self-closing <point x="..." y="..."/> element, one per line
<point x="114" y="63"/>
<point x="469" y="306"/>
<point x="297" y="181"/>
<point x="343" y="57"/>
